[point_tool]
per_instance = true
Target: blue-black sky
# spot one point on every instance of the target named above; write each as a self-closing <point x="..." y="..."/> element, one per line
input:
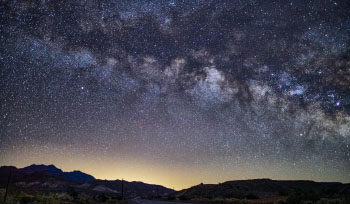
<point x="177" y="92"/>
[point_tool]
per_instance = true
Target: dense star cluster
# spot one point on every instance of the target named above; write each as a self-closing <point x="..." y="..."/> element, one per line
<point x="198" y="90"/>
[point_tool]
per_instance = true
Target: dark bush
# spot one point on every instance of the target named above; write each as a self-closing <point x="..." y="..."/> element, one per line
<point x="171" y="197"/>
<point x="299" y="196"/>
<point x="183" y="197"/>
<point x="237" y="195"/>
<point x="228" y="195"/>
<point x="72" y="192"/>
<point x="209" y="197"/>
<point x="252" y="196"/>
<point x="102" y="198"/>
<point x="346" y="200"/>
<point x="282" y="192"/>
<point x="26" y="199"/>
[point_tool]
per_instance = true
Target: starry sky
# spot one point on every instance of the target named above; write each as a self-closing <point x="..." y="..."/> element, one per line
<point x="177" y="92"/>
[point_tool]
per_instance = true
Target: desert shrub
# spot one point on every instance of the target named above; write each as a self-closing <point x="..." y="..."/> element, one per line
<point x="72" y="192"/>
<point x="83" y="199"/>
<point x="237" y="195"/>
<point x="299" y="196"/>
<point x="282" y="192"/>
<point x="26" y="199"/>
<point x="252" y="196"/>
<point x="102" y="198"/>
<point x="209" y="197"/>
<point x="170" y="197"/>
<point x="65" y="197"/>
<point x="228" y="195"/>
<point x="328" y="201"/>
<point x="329" y="191"/>
<point x="157" y="197"/>
<point x="346" y="200"/>
<point x="119" y="197"/>
<point x="307" y="202"/>
<point x="2" y="192"/>
<point x="47" y="198"/>
<point x="183" y="197"/>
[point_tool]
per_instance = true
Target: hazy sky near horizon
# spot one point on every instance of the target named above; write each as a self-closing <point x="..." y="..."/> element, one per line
<point x="177" y="92"/>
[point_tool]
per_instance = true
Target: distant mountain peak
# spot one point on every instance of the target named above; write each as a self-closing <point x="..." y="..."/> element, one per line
<point x="48" y="169"/>
<point x="46" y="178"/>
<point x="76" y="175"/>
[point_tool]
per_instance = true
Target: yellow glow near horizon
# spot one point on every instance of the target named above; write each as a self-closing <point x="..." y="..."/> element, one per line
<point x="156" y="172"/>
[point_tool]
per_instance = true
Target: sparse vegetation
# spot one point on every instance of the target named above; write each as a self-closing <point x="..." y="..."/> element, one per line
<point x="252" y="196"/>
<point x="299" y="196"/>
<point x="183" y="197"/>
<point x="20" y="197"/>
<point x="170" y="197"/>
<point x="266" y="191"/>
<point x="257" y="191"/>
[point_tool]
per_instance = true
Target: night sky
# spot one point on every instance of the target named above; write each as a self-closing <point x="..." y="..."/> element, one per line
<point x="177" y="92"/>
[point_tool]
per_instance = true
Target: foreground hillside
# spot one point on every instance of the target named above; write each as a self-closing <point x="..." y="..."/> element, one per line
<point x="49" y="184"/>
<point x="267" y="191"/>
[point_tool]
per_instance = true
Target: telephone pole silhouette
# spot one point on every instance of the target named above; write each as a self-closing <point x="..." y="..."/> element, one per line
<point x="7" y="186"/>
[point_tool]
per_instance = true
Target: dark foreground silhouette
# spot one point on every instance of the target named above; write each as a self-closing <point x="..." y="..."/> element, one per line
<point x="48" y="184"/>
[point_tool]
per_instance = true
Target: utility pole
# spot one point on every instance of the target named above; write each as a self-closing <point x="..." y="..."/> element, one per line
<point x="122" y="189"/>
<point x="7" y="186"/>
